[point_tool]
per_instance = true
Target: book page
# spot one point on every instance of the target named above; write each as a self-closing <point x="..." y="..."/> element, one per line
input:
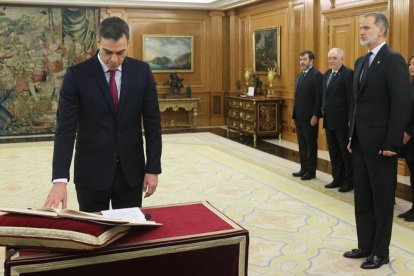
<point x="128" y="214"/>
<point x="78" y="213"/>
<point x="119" y="216"/>
<point x="70" y="213"/>
<point x="46" y="212"/>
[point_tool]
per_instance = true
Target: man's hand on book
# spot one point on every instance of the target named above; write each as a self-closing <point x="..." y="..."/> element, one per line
<point x="150" y="184"/>
<point x="57" y="195"/>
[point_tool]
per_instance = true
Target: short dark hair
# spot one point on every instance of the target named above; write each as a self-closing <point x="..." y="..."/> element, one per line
<point x="380" y="20"/>
<point x="309" y="52"/>
<point x="113" y="28"/>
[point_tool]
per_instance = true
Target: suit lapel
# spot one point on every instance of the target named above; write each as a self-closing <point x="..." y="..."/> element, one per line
<point x="326" y="78"/>
<point x="124" y="83"/>
<point x="325" y="87"/>
<point x="103" y="84"/>
<point x="374" y="66"/>
<point x="357" y="75"/>
<point x="297" y="81"/>
<point x="337" y="76"/>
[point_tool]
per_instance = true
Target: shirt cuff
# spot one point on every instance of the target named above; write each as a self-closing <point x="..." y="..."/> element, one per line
<point x="60" y="180"/>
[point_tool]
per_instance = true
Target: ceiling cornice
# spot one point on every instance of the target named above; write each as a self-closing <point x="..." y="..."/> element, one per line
<point x="215" y="5"/>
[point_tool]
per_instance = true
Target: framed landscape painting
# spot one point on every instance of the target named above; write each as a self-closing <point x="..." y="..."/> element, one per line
<point x="266" y="50"/>
<point x="168" y="53"/>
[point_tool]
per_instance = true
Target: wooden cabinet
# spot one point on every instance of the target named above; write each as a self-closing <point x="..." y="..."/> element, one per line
<point x="255" y="116"/>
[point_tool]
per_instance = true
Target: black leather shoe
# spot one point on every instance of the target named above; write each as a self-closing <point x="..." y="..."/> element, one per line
<point x="357" y="253"/>
<point x="410" y="218"/>
<point x="345" y="188"/>
<point x="406" y="214"/>
<point x="333" y="184"/>
<point x="308" y="176"/>
<point x="299" y="173"/>
<point x="374" y="261"/>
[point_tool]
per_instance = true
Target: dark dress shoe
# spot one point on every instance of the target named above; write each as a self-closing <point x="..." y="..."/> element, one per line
<point x="333" y="184"/>
<point x="345" y="188"/>
<point x="308" y="176"/>
<point x="374" y="261"/>
<point x="357" y="253"/>
<point x="410" y="218"/>
<point x="299" y="173"/>
<point x="406" y="214"/>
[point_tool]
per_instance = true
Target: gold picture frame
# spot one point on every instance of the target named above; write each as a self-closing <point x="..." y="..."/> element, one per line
<point x="266" y="50"/>
<point x="168" y="53"/>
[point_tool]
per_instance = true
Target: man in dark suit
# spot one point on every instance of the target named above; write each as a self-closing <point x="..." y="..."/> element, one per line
<point x="306" y="113"/>
<point x="337" y="93"/>
<point x="380" y="113"/>
<point x="102" y="104"/>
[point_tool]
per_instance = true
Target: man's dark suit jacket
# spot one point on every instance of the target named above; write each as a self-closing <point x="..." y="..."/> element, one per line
<point x="103" y="136"/>
<point x="308" y="96"/>
<point x="336" y="100"/>
<point x="378" y="116"/>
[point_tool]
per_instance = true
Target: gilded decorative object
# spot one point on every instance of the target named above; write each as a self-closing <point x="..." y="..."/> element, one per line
<point x="271" y="72"/>
<point x="247" y="75"/>
<point x="271" y="75"/>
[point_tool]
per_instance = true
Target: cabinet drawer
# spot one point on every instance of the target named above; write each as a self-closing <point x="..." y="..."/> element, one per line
<point x="247" y="116"/>
<point x="249" y="105"/>
<point x="233" y="124"/>
<point x="234" y="103"/>
<point x="234" y="114"/>
<point x="247" y="127"/>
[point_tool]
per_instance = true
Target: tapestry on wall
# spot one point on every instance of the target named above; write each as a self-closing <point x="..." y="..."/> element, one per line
<point x="37" y="44"/>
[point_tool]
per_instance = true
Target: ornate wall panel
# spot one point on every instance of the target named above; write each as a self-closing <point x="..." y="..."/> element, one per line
<point x="206" y="29"/>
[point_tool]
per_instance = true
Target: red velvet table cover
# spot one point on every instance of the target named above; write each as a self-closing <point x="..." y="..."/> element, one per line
<point x="195" y="239"/>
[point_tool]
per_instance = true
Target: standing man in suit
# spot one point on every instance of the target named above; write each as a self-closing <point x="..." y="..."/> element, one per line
<point x="102" y="104"/>
<point x="337" y="93"/>
<point x="380" y="113"/>
<point x="306" y="113"/>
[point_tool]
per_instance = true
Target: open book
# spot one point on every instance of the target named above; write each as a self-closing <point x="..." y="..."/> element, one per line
<point x="117" y="216"/>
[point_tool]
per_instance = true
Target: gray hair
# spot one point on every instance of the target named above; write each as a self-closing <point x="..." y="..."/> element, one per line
<point x="380" y="20"/>
<point x="340" y="53"/>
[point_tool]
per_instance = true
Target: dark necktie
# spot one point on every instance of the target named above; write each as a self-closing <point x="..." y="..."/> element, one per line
<point x="113" y="89"/>
<point x="366" y="66"/>
<point x="301" y="77"/>
<point x="331" y="76"/>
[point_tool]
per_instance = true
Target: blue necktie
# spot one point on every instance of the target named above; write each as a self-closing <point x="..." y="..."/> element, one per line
<point x="366" y="66"/>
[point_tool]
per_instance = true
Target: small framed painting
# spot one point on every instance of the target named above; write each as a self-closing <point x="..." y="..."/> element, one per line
<point x="168" y="53"/>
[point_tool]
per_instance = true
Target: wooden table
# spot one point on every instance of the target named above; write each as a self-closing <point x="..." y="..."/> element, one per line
<point x="195" y="239"/>
<point x="189" y="105"/>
